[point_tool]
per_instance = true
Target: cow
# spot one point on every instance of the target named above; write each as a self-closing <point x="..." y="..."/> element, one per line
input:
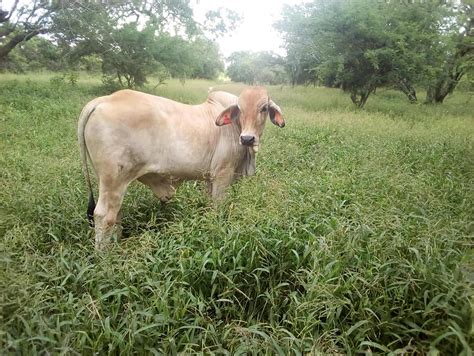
<point x="131" y="136"/>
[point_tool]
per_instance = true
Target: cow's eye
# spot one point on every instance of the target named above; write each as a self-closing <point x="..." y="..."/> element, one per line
<point x="264" y="109"/>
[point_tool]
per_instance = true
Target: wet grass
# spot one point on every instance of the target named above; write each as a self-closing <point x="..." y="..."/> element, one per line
<point x="354" y="236"/>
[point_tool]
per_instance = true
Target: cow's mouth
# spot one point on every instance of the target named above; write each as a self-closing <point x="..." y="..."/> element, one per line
<point x="253" y="146"/>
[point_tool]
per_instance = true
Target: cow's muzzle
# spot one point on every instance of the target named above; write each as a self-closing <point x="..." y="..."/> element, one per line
<point x="247" y="140"/>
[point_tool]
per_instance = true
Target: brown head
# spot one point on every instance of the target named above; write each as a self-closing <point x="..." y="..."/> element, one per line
<point x="250" y="113"/>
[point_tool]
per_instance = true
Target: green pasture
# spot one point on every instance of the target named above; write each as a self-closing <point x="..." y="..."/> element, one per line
<point x="354" y="236"/>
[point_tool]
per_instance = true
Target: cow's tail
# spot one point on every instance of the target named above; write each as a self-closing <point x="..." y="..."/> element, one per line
<point x="83" y="119"/>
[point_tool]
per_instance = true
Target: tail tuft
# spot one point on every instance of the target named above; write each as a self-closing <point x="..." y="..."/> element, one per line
<point x="90" y="209"/>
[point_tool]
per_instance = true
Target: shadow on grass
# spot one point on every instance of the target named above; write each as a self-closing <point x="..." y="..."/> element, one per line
<point x="143" y="212"/>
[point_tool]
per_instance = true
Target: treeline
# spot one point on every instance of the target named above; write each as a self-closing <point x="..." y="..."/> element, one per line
<point x="361" y="45"/>
<point x="163" y="56"/>
<point x="126" y="40"/>
<point x="355" y="45"/>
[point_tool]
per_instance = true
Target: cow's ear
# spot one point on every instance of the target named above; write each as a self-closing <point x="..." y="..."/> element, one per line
<point x="275" y="114"/>
<point x="229" y="114"/>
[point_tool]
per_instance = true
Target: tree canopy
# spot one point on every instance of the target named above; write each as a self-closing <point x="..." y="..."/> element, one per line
<point x="355" y="45"/>
<point x="131" y="38"/>
<point x="256" y="67"/>
<point x="360" y="45"/>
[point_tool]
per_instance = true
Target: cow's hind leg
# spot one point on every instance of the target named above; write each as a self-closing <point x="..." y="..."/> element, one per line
<point x="107" y="212"/>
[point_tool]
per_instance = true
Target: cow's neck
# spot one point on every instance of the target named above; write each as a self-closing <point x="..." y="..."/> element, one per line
<point x="230" y="153"/>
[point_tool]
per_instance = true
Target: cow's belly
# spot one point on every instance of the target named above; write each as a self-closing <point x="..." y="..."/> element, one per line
<point x="179" y="156"/>
<point x="176" y="168"/>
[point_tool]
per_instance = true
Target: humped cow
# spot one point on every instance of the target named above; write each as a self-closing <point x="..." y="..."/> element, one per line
<point x="131" y="135"/>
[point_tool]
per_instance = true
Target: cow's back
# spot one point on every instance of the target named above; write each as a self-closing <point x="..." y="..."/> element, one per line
<point x="141" y="133"/>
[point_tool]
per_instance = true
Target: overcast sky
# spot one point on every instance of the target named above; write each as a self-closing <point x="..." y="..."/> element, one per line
<point x="255" y="32"/>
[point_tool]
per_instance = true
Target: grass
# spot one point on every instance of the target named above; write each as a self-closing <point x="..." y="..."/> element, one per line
<point x="354" y="236"/>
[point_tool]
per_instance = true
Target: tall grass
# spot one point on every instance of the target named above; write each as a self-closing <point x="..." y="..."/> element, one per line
<point x="354" y="236"/>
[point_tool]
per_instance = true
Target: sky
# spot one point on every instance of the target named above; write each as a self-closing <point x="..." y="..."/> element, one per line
<point x="255" y="32"/>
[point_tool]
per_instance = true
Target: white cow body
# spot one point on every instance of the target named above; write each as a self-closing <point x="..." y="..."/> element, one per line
<point x="131" y="135"/>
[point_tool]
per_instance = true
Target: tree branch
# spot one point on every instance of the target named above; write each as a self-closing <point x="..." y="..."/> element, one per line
<point x="5" y="15"/>
<point x="17" y="39"/>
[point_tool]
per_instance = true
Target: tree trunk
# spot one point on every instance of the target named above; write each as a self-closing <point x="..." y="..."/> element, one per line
<point x="444" y="86"/>
<point x="119" y="76"/>
<point x="354" y="98"/>
<point x="405" y="86"/>
<point x="294" y="75"/>
<point x="364" y="98"/>
<point x="429" y="95"/>
<point x="454" y="70"/>
<point x="129" y="79"/>
<point x="359" y="96"/>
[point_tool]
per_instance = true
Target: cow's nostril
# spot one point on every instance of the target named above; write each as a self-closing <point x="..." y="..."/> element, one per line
<point x="247" y="140"/>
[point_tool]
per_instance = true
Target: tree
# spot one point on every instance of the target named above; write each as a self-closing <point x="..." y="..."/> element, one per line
<point x="36" y="54"/>
<point x="455" y="55"/>
<point x="126" y="35"/>
<point x="207" y="62"/>
<point x="22" y="23"/>
<point x="256" y="68"/>
<point x="131" y="59"/>
<point x="303" y="55"/>
<point x="240" y="68"/>
<point x="128" y="50"/>
<point x="359" y="45"/>
<point x="346" y="41"/>
<point x="76" y="20"/>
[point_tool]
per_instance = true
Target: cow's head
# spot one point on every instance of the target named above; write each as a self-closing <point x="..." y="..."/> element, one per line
<point x="253" y="107"/>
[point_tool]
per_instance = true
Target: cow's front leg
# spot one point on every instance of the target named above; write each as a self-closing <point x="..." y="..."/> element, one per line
<point x="220" y="182"/>
<point x="107" y="214"/>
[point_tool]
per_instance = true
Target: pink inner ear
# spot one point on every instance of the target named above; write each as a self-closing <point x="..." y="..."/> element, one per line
<point x="279" y="118"/>
<point x="226" y="119"/>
